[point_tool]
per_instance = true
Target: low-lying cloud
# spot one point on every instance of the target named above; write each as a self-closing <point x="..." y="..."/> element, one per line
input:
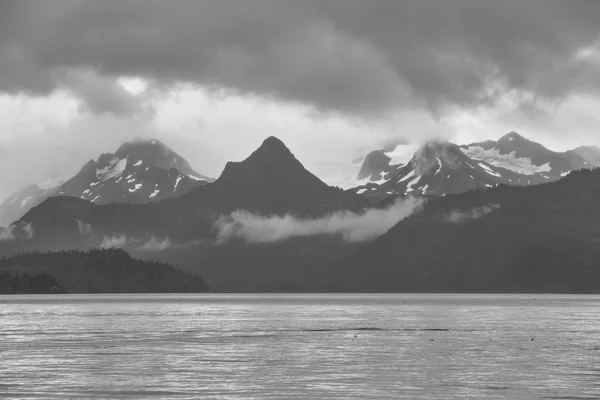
<point x="140" y="244"/>
<point x="27" y="229"/>
<point x="84" y="229"/>
<point x="117" y="241"/>
<point x="352" y="227"/>
<point x="6" y="234"/>
<point x="12" y="232"/>
<point x="456" y="216"/>
<point x="154" y="244"/>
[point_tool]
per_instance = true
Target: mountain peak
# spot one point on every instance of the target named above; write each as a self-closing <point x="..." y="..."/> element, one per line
<point x="272" y="144"/>
<point x="273" y="181"/>
<point x="143" y="145"/>
<point x="272" y="160"/>
<point x="433" y="153"/>
<point x="513" y="136"/>
<point x="587" y="147"/>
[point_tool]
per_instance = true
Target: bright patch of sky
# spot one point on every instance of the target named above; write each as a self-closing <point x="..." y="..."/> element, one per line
<point x="51" y="136"/>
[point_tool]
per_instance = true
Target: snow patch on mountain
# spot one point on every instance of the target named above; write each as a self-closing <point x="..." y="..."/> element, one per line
<point x="179" y="178"/>
<point x="381" y="179"/>
<point x="115" y="169"/>
<point x="414" y="181"/>
<point x="137" y="187"/>
<point x="489" y="170"/>
<point x="408" y="176"/>
<point x="508" y="161"/>
<point x="439" y="166"/>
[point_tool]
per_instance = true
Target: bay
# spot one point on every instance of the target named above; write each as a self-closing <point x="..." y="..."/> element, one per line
<point x="304" y="346"/>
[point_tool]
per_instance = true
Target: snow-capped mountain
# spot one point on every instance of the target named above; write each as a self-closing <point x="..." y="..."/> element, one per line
<point x="138" y="172"/>
<point x="271" y="181"/>
<point x="25" y="198"/>
<point x="533" y="239"/>
<point x="532" y="160"/>
<point x="439" y="168"/>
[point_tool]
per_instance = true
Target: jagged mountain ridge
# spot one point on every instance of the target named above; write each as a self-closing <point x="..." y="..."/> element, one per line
<point x="270" y="181"/>
<point x="522" y="156"/>
<point x="25" y="198"/>
<point x="541" y="238"/>
<point x="139" y="171"/>
<point x="508" y="238"/>
<point x="439" y="168"/>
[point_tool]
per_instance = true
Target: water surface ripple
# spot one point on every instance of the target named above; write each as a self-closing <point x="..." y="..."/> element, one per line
<point x="305" y="346"/>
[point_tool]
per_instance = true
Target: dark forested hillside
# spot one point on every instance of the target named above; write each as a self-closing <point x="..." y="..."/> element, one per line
<point x="94" y="271"/>
<point x="543" y="238"/>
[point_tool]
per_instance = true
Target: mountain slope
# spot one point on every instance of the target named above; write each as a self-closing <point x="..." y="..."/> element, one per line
<point x="437" y="169"/>
<point x="138" y="172"/>
<point x="522" y="156"/>
<point x="441" y="168"/>
<point x="589" y="153"/>
<point x="542" y="238"/>
<point x="25" y="198"/>
<point x="270" y="181"/>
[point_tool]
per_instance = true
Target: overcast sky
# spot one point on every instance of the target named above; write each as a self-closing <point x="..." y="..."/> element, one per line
<point x="332" y="78"/>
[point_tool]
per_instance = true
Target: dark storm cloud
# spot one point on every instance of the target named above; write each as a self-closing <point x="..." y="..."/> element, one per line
<point x="101" y="95"/>
<point x="361" y="57"/>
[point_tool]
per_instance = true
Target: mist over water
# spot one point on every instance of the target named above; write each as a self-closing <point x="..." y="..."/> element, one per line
<point x="300" y="346"/>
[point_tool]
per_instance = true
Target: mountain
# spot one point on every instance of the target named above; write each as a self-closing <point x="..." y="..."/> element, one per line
<point x="18" y="203"/>
<point x="378" y="163"/>
<point x="525" y="157"/>
<point x="439" y="168"/>
<point x="138" y="172"/>
<point x="541" y="238"/>
<point x="271" y="181"/>
<point x="589" y="153"/>
<point x="534" y="238"/>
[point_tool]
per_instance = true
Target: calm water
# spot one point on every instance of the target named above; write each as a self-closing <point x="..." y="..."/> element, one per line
<point x="300" y="346"/>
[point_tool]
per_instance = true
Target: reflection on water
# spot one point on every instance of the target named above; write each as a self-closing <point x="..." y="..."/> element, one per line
<point x="300" y="346"/>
